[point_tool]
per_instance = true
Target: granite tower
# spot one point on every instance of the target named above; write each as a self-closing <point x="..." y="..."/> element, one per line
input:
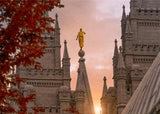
<point x="140" y="45"/>
<point x="51" y="84"/>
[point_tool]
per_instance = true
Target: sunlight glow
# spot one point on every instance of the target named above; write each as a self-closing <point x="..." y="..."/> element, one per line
<point x="73" y="67"/>
<point x="100" y="67"/>
<point x="98" y="109"/>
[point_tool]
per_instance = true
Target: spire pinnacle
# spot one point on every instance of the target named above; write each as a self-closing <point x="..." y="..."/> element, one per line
<point x="104" y="79"/>
<point x="124" y="13"/>
<point x="115" y="49"/>
<point x="104" y="87"/>
<point x="56" y="23"/>
<point x="65" y="54"/>
<point x="115" y="41"/>
<point x="123" y="7"/>
<point x="83" y="83"/>
<point x="56" y="16"/>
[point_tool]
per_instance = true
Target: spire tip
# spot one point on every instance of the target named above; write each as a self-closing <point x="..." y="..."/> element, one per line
<point x="65" y="42"/>
<point x="104" y="78"/>
<point x="116" y="41"/>
<point x="56" y="15"/>
<point x="123" y="6"/>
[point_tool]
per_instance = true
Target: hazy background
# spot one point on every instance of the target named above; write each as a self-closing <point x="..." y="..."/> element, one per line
<point x="100" y="19"/>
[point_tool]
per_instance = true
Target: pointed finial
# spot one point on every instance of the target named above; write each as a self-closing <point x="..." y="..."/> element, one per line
<point x="105" y="78"/>
<point x="115" y="41"/>
<point x="115" y="49"/>
<point x="56" y="23"/>
<point x="56" y="16"/>
<point x="65" y="54"/>
<point x="104" y="87"/>
<point x="123" y="7"/>
<point x="124" y="13"/>
<point x="65" y="42"/>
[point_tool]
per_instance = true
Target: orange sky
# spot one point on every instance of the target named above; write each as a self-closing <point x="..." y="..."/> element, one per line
<point x="100" y="19"/>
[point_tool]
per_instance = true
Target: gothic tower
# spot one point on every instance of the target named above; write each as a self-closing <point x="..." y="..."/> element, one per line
<point x="140" y="46"/>
<point x="83" y="88"/>
<point x="104" y="93"/>
<point x="51" y="84"/>
<point x="120" y="83"/>
<point x="141" y="42"/>
<point x="51" y="79"/>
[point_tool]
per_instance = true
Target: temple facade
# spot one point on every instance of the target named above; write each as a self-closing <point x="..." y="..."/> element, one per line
<point x="51" y="84"/>
<point x="140" y="45"/>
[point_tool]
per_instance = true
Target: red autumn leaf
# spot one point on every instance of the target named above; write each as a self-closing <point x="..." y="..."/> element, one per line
<point x="38" y="109"/>
<point x="21" y="24"/>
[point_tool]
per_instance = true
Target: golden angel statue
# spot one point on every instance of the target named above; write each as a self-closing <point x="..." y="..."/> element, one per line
<point x="80" y="36"/>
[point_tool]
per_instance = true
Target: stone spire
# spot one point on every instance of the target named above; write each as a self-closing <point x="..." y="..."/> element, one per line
<point x="120" y="60"/>
<point x="115" y="60"/>
<point x="65" y="54"/>
<point x="57" y="31"/>
<point x="115" y="57"/>
<point x="83" y="85"/>
<point x="57" y="44"/>
<point x="124" y="13"/>
<point x="56" y="23"/>
<point x="115" y="49"/>
<point x="66" y="66"/>
<point x="104" y="87"/>
<point x="123" y="21"/>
